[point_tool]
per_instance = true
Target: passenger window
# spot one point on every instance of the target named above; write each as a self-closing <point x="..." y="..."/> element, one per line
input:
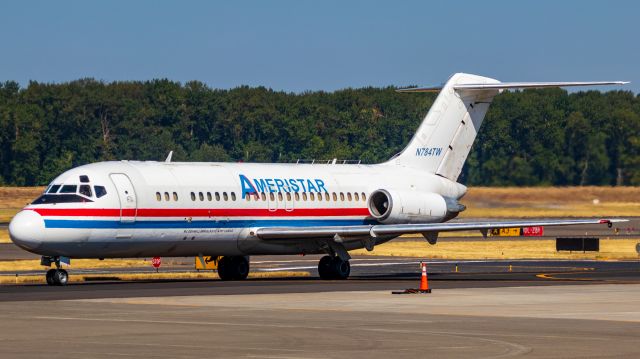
<point x="335" y="197"/>
<point x="304" y="196"/>
<point x="341" y="196"/>
<point x="297" y="196"/>
<point x="319" y="197"/>
<point x="279" y="196"/>
<point x="225" y="196"/>
<point x="201" y="196"/>
<point x="264" y="196"/>
<point x="349" y="196"/>
<point x="158" y="196"/>
<point x="364" y="198"/>
<point x="357" y="197"/>
<point x="248" y="197"/>
<point x="193" y="196"/>
<point x="54" y="188"/>
<point x="69" y="188"/>
<point x="84" y="179"/>
<point x="217" y="196"/>
<point x="175" y="196"/>
<point x="85" y="189"/>
<point x="272" y="197"/>
<point x="100" y="191"/>
<point x="233" y="196"/>
<point x="209" y="198"/>
<point x="326" y="196"/>
<point x="312" y="197"/>
<point x="166" y="196"/>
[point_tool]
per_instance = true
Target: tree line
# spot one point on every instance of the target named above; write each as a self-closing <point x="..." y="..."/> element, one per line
<point x="532" y="137"/>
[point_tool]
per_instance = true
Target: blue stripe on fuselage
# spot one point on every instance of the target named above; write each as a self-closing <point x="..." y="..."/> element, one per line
<point x="106" y="224"/>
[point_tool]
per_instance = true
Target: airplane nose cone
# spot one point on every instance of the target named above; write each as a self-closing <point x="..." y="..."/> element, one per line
<point x="27" y="230"/>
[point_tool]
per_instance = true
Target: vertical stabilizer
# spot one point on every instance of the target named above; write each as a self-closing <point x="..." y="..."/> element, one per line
<point x="444" y="139"/>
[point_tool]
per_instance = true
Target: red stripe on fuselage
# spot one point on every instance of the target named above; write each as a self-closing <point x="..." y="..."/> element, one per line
<point x="201" y="212"/>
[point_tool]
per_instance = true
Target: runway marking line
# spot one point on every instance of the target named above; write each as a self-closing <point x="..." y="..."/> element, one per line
<point x="551" y="276"/>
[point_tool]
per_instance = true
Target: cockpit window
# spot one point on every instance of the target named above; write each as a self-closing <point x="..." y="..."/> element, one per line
<point x="85" y="189"/>
<point x="60" y="198"/>
<point x="100" y="191"/>
<point x="84" y="179"/>
<point x="54" y="188"/>
<point x="69" y="188"/>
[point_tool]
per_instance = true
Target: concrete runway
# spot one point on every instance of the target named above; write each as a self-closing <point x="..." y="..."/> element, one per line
<point x="540" y="309"/>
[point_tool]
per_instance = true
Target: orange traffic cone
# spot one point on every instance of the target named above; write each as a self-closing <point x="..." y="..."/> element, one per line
<point x="424" y="283"/>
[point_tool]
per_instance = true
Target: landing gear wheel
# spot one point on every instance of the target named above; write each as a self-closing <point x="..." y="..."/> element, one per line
<point x="324" y="268"/>
<point x="341" y="269"/>
<point x="57" y="277"/>
<point x="233" y="268"/>
<point x="49" y="276"/>
<point x="241" y="266"/>
<point x="61" y="277"/>
<point x="333" y="268"/>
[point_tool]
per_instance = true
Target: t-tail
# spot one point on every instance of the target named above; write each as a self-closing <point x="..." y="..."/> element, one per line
<point x="443" y="141"/>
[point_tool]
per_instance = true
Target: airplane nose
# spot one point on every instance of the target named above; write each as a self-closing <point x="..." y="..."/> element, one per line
<point x="27" y="229"/>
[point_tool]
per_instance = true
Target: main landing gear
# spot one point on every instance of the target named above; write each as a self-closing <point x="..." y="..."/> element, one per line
<point x="55" y="276"/>
<point x="334" y="268"/>
<point x="233" y="268"/>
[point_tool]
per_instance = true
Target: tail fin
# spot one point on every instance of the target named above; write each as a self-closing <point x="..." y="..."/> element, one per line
<point x="443" y="141"/>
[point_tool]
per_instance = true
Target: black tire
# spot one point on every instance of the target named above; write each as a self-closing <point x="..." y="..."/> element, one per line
<point x="341" y="269"/>
<point x="240" y="268"/>
<point x="324" y="268"/>
<point x="60" y="277"/>
<point x="233" y="268"/>
<point x="223" y="268"/>
<point x="49" y="277"/>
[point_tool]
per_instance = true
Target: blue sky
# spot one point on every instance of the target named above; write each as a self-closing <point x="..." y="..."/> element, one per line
<point x="319" y="45"/>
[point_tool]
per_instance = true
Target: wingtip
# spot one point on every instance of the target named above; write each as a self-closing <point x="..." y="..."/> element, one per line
<point x="614" y="220"/>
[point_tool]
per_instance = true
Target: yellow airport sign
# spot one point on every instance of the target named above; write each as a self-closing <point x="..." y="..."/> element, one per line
<point x="506" y="232"/>
<point x="210" y="262"/>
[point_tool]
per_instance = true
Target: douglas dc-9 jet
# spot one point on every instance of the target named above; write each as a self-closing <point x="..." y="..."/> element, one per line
<point x="120" y="209"/>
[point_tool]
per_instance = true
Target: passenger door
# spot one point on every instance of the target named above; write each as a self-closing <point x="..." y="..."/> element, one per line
<point x="127" y="197"/>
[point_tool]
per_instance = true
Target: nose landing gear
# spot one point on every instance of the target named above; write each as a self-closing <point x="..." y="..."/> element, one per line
<point x="56" y="276"/>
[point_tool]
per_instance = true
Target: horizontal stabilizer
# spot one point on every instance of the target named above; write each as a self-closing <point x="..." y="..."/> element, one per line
<point x="512" y="85"/>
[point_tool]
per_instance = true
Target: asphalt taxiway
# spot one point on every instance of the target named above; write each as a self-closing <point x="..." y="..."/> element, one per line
<point x="478" y="309"/>
<point x="593" y="320"/>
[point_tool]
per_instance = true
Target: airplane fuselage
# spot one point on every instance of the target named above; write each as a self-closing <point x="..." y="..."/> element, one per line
<point x="187" y="209"/>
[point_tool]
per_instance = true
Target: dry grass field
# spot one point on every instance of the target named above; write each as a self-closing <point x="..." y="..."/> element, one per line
<point x="522" y="202"/>
<point x="13" y="199"/>
<point x="610" y="249"/>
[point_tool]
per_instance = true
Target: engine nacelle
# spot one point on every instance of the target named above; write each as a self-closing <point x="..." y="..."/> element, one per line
<point x="389" y="206"/>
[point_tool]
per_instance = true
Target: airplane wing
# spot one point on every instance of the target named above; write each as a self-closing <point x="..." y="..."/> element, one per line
<point x="268" y="233"/>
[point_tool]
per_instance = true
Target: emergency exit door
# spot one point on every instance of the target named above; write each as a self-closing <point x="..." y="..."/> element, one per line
<point x="127" y="197"/>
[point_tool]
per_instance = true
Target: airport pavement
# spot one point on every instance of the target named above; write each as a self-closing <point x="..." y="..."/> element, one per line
<point x="546" y="309"/>
<point x="377" y="273"/>
<point x="542" y="322"/>
<point x="492" y="309"/>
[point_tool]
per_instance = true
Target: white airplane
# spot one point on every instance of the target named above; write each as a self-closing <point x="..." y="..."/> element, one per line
<point x="235" y="210"/>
